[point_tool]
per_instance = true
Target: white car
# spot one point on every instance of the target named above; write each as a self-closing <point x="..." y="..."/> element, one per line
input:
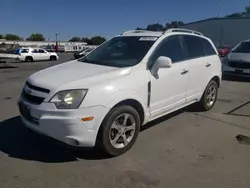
<point x="237" y="61"/>
<point x="36" y="54"/>
<point x="83" y="53"/>
<point x="104" y="98"/>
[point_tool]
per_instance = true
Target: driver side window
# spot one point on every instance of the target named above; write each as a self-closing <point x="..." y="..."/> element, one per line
<point x="171" y="48"/>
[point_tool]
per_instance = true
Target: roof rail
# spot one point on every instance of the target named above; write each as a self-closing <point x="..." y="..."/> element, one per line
<point x="139" y="31"/>
<point x="183" y="30"/>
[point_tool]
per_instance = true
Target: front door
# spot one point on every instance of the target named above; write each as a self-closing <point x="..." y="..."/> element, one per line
<point x="168" y="88"/>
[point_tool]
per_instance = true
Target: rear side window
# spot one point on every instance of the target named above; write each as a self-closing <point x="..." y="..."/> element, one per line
<point x="194" y="46"/>
<point x="171" y="48"/>
<point x="23" y="51"/>
<point x="208" y="47"/>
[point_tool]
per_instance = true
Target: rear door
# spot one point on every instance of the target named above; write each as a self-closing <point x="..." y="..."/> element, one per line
<point x="197" y="66"/>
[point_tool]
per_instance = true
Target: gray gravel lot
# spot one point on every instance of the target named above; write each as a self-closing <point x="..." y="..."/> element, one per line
<point x="184" y="149"/>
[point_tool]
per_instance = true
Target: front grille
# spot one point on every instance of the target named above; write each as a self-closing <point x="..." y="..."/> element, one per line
<point x="32" y="99"/>
<point x="240" y="65"/>
<point x="37" y="88"/>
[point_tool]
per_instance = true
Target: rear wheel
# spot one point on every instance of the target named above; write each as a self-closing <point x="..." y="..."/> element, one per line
<point x="209" y="97"/>
<point x="119" y="130"/>
<point x="28" y="59"/>
<point x="52" y="58"/>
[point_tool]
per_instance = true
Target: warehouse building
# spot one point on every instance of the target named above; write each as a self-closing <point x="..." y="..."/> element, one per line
<point x="223" y="31"/>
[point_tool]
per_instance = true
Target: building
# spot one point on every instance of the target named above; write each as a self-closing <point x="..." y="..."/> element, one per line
<point x="223" y="31"/>
<point x="68" y="46"/>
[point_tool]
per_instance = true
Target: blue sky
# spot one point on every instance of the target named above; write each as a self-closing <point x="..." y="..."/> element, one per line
<point x="103" y="17"/>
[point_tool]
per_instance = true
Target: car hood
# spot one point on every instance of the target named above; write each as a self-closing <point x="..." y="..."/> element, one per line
<point x="242" y="57"/>
<point x="72" y="72"/>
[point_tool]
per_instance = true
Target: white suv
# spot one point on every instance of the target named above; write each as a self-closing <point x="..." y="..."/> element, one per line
<point x="104" y="98"/>
<point x="36" y="54"/>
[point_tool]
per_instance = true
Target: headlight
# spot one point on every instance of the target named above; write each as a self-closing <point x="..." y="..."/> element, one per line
<point x="68" y="99"/>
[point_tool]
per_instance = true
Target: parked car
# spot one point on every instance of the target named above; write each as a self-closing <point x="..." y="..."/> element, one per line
<point x="103" y="99"/>
<point x="36" y="54"/>
<point x="238" y="60"/>
<point x="223" y="50"/>
<point x="82" y="53"/>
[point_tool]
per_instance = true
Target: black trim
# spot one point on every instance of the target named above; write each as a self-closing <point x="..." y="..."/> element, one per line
<point x="239" y="65"/>
<point x="149" y="93"/>
<point x="37" y="88"/>
<point x="236" y="74"/>
<point x="32" y="99"/>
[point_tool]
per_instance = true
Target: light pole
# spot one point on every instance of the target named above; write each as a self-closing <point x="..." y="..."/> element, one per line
<point x="57" y="47"/>
<point x="218" y="3"/>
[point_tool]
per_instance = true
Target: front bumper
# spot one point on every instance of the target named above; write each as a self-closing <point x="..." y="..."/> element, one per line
<point x="65" y="125"/>
<point x="235" y="71"/>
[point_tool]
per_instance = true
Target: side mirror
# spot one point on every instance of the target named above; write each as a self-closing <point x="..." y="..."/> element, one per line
<point x="161" y="62"/>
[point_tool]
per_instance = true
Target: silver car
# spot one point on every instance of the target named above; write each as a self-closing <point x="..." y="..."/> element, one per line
<point x="238" y="60"/>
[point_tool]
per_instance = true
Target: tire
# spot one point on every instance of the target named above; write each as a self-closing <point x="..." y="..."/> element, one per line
<point x="109" y="139"/>
<point x="52" y="58"/>
<point x="209" y="96"/>
<point x="29" y="59"/>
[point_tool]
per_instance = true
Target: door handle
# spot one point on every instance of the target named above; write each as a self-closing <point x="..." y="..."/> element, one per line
<point x="208" y="65"/>
<point x="185" y="71"/>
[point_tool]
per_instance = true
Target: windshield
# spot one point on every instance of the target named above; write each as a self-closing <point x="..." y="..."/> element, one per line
<point x="244" y="47"/>
<point x="120" y="51"/>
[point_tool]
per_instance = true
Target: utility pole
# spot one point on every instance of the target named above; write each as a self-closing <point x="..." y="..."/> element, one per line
<point x="218" y="4"/>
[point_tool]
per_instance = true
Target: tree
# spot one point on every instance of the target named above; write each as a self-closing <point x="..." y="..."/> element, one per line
<point x="155" y="27"/>
<point x="75" y="39"/>
<point x="1" y="36"/>
<point x="159" y="27"/>
<point x="235" y="15"/>
<point x="247" y="11"/>
<point x="36" y="37"/>
<point x="139" y="28"/>
<point x="11" y="37"/>
<point x="173" y="24"/>
<point x="97" y="40"/>
<point x="87" y="40"/>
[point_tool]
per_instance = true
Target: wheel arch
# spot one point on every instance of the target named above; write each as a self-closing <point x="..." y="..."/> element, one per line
<point x="217" y="80"/>
<point x="30" y="57"/>
<point x="135" y="104"/>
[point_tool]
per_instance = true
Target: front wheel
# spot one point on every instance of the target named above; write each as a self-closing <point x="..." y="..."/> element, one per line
<point x="209" y="97"/>
<point x="119" y="130"/>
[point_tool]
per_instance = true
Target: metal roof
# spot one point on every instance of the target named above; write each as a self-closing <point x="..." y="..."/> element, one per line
<point x="212" y="19"/>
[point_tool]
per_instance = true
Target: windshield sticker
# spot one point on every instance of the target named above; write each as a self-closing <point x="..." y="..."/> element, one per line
<point x="148" y="38"/>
